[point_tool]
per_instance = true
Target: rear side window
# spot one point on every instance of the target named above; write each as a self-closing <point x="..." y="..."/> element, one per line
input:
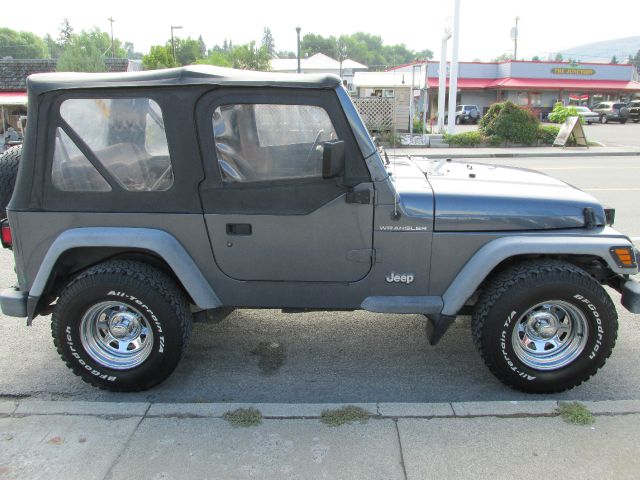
<point x="260" y="142"/>
<point x="127" y="137"/>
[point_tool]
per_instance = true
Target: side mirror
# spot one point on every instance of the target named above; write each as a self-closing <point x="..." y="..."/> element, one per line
<point x="332" y="158"/>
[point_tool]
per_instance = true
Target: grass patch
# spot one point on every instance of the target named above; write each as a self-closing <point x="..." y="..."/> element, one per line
<point x="340" y="416"/>
<point x="244" y="417"/>
<point x="575" y="413"/>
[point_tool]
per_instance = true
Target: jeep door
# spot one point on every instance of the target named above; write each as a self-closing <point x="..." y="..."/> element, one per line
<point x="270" y="213"/>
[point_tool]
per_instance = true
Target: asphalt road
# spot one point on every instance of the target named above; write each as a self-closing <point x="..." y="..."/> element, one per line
<point x="267" y="356"/>
<point x="610" y="135"/>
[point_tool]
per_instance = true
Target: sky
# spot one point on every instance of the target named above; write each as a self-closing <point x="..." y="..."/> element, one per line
<point x="546" y="26"/>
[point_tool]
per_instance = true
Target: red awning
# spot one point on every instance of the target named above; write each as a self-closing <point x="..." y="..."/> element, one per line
<point x="13" y="98"/>
<point x="465" y="83"/>
<point x="565" y="84"/>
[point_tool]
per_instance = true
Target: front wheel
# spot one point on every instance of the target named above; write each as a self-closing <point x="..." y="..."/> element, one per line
<point x="603" y="119"/>
<point x="544" y="326"/>
<point x="121" y="326"/>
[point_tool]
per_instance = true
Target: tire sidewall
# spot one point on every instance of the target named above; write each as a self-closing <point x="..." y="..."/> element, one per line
<point x="162" y="359"/>
<point x="509" y="309"/>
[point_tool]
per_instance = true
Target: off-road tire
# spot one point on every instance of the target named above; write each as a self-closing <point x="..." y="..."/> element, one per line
<point x="9" y="162"/>
<point x="512" y="293"/>
<point x="161" y="303"/>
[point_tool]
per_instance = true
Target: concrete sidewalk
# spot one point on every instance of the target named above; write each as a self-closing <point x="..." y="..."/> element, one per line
<point x="100" y="440"/>
<point x="524" y="152"/>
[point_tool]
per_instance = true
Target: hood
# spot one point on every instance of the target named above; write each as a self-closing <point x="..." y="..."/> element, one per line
<point x="479" y="197"/>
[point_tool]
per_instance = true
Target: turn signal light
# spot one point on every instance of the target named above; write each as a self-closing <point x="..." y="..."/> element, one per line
<point x="624" y="256"/>
<point x="7" y="238"/>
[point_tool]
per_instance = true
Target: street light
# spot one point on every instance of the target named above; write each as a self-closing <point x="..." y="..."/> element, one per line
<point x="298" y="33"/>
<point x="173" y="43"/>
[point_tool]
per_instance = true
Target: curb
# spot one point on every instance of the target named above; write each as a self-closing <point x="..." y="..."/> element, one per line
<point x="531" y="154"/>
<point x="310" y="410"/>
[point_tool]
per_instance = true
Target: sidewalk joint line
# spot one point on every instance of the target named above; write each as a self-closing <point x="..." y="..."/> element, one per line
<point x="402" y="464"/>
<point x="116" y="459"/>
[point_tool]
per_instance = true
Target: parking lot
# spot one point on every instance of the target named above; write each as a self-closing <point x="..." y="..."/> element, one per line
<point x="610" y="134"/>
<point x="267" y="356"/>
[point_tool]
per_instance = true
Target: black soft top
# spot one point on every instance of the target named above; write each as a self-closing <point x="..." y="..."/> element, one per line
<point x="191" y="75"/>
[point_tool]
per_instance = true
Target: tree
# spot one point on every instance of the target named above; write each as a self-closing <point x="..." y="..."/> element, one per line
<point x="219" y="59"/>
<point x="16" y="44"/>
<point x="159" y="56"/>
<point x="250" y="57"/>
<point x="504" y="57"/>
<point x="188" y="51"/>
<point x="635" y="61"/>
<point x="535" y="58"/>
<point x="53" y="47"/>
<point x="203" y="47"/>
<point x="65" y="32"/>
<point x="267" y="42"/>
<point x="614" y="60"/>
<point x="85" y="51"/>
<point x="558" y="57"/>
<point x="131" y="53"/>
<point x="362" y="47"/>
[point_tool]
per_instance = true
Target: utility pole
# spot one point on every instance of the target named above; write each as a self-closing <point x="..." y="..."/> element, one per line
<point x="298" y="33"/>
<point x="453" y="76"/>
<point x="173" y="43"/>
<point x="113" y="50"/>
<point x="514" y="35"/>
<point x="442" y="80"/>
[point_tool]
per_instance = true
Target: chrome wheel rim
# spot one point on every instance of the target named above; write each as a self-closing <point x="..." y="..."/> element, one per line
<point x="550" y="335"/>
<point x="116" y="335"/>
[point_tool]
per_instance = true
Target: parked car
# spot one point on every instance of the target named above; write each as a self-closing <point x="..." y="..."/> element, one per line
<point x="587" y="115"/>
<point x="612" y="112"/>
<point x="150" y="200"/>
<point x="634" y="110"/>
<point x="466" y="114"/>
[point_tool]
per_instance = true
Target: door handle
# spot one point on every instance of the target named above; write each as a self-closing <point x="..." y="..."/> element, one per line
<point x="238" y="229"/>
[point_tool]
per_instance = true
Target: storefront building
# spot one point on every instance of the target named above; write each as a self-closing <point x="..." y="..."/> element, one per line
<point x="538" y="85"/>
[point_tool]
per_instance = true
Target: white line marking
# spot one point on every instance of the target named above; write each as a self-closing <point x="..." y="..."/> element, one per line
<point x="630" y="189"/>
<point x="583" y="168"/>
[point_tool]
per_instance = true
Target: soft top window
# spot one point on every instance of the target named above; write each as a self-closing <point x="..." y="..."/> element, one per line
<point x="260" y="142"/>
<point x="126" y="135"/>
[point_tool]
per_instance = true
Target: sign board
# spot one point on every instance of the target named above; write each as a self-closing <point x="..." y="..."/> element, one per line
<point x="572" y="71"/>
<point x="571" y="126"/>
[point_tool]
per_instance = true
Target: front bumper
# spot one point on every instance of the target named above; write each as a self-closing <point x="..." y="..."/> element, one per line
<point x="13" y="302"/>
<point x="631" y="296"/>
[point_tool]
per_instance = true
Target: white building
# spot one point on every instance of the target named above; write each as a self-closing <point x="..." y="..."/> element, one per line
<point x="319" y="63"/>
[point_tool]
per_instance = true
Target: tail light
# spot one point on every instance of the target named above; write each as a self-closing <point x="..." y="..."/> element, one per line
<point x="7" y="238"/>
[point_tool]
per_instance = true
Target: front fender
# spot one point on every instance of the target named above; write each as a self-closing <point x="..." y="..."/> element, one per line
<point x="493" y="253"/>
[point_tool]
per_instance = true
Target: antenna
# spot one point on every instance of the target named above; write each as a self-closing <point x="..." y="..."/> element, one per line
<point x="396" y="216"/>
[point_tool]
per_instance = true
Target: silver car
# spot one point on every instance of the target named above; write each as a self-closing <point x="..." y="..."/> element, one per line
<point x="587" y="115"/>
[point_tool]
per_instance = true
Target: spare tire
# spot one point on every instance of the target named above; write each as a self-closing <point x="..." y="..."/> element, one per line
<point x="9" y="162"/>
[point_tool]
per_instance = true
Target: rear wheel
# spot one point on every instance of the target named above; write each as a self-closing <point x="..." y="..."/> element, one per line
<point x="9" y="162"/>
<point x="604" y="119"/>
<point x="544" y="326"/>
<point x="623" y="121"/>
<point x="121" y="326"/>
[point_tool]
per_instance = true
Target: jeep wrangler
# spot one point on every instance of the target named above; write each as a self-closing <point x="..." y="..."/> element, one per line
<point x="146" y="200"/>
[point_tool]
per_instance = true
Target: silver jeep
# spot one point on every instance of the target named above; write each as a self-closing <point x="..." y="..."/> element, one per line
<point x="144" y="201"/>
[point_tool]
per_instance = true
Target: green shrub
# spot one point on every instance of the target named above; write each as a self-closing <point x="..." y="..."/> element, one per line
<point x="547" y="133"/>
<point x="510" y="122"/>
<point x="560" y="113"/>
<point x="388" y="137"/>
<point x="494" y="141"/>
<point x="466" y="139"/>
<point x="417" y="125"/>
